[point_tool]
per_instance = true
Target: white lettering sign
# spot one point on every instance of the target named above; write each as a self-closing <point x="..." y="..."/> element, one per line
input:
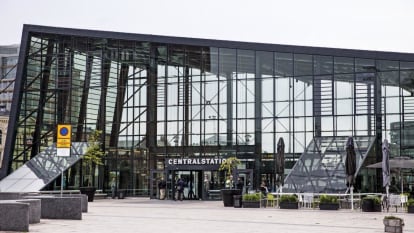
<point x="195" y="161"/>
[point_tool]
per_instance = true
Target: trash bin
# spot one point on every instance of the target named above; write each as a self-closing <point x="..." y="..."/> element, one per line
<point x="121" y="194"/>
<point x="237" y="201"/>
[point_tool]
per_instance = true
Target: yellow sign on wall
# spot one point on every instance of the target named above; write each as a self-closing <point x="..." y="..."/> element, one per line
<point x="64" y="133"/>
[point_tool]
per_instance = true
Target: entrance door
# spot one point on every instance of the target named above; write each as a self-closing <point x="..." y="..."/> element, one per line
<point x="246" y="175"/>
<point x="192" y="183"/>
<point x="155" y="178"/>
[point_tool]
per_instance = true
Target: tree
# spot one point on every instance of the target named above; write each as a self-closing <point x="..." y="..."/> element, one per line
<point x="93" y="155"/>
<point x="228" y="166"/>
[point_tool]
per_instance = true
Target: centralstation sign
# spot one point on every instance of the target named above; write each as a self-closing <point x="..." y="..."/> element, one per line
<point x="63" y="142"/>
<point x="193" y="163"/>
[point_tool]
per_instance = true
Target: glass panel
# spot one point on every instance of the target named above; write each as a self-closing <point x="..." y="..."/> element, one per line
<point x="364" y="65"/>
<point x="283" y="64"/>
<point x="322" y="65"/>
<point x="303" y="64"/>
<point x="343" y="65"/>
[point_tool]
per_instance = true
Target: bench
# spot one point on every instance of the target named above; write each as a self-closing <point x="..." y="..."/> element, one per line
<point x="55" y="192"/>
<point x="99" y="194"/>
<point x="214" y="194"/>
<point x="60" y="207"/>
<point x="11" y="195"/>
<point x="14" y="216"/>
<point x="34" y="208"/>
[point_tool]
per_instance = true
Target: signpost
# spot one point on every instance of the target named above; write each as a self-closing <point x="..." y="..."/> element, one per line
<point x="64" y="133"/>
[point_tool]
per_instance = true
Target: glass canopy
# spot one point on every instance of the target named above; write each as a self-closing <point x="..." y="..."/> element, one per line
<point x="321" y="168"/>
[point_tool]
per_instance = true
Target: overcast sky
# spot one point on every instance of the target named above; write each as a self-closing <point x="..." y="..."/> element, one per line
<point x="385" y="25"/>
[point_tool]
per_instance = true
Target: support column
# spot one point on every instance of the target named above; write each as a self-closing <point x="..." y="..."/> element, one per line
<point x="229" y="110"/>
<point x="119" y="104"/>
<point x="378" y="125"/>
<point x="317" y="107"/>
<point x="258" y="120"/>
<point x="151" y="135"/>
<point x="186" y="108"/>
<point x="80" y="136"/>
<point x="44" y="85"/>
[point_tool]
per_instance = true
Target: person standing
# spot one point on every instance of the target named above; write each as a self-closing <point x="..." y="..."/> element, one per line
<point x="162" y="185"/>
<point x="239" y="184"/>
<point x="113" y="187"/>
<point x="206" y="185"/>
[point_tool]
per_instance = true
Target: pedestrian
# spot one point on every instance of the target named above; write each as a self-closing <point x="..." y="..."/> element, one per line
<point x="162" y="185"/>
<point x="113" y="187"/>
<point x="239" y="184"/>
<point x="179" y="189"/>
<point x="263" y="188"/>
<point x="229" y="182"/>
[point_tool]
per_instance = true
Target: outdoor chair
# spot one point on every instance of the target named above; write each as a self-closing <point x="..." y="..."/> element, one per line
<point x="270" y="200"/>
<point x="300" y="199"/>
<point x="308" y="199"/>
<point x="404" y="200"/>
<point x="395" y="201"/>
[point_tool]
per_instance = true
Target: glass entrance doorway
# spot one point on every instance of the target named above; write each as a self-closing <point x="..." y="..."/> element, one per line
<point x="155" y="179"/>
<point x="193" y="183"/>
<point x="246" y="176"/>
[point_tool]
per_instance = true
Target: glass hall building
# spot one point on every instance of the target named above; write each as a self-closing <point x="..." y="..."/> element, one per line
<point x="170" y="106"/>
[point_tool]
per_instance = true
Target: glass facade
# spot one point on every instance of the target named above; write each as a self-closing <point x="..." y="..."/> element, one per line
<point x="160" y="97"/>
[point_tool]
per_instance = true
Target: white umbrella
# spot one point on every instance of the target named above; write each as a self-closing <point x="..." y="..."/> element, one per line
<point x="397" y="163"/>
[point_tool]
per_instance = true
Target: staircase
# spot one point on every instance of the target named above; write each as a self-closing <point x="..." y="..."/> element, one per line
<point x="42" y="169"/>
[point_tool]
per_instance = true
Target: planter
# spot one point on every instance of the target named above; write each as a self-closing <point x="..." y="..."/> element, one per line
<point x="121" y="194"/>
<point x="368" y="205"/>
<point x="328" y="206"/>
<point x="393" y="225"/>
<point x="251" y="204"/>
<point x="289" y="205"/>
<point x="237" y="201"/>
<point x="89" y="191"/>
<point x="410" y="209"/>
<point x="227" y="196"/>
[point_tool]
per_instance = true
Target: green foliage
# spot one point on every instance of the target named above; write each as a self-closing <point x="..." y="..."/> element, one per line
<point x="94" y="153"/>
<point x="252" y="196"/>
<point x="328" y="199"/>
<point x="229" y="165"/>
<point x="288" y="198"/>
<point x="376" y="199"/>
<point x="410" y="202"/>
<point x="393" y="217"/>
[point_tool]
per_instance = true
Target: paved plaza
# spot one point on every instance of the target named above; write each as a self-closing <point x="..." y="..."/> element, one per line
<point x="145" y="215"/>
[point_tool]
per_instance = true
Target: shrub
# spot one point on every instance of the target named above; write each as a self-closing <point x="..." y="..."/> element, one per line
<point x="410" y="202"/>
<point x="328" y="199"/>
<point x="288" y="198"/>
<point x="376" y="199"/>
<point x="392" y="217"/>
<point x="251" y="197"/>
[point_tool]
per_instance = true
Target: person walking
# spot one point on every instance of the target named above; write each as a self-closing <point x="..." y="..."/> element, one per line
<point x="179" y="189"/>
<point x="162" y="185"/>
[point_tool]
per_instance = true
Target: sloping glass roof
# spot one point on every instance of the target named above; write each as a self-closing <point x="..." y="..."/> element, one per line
<point x="41" y="170"/>
<point x="321" y="168"/>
